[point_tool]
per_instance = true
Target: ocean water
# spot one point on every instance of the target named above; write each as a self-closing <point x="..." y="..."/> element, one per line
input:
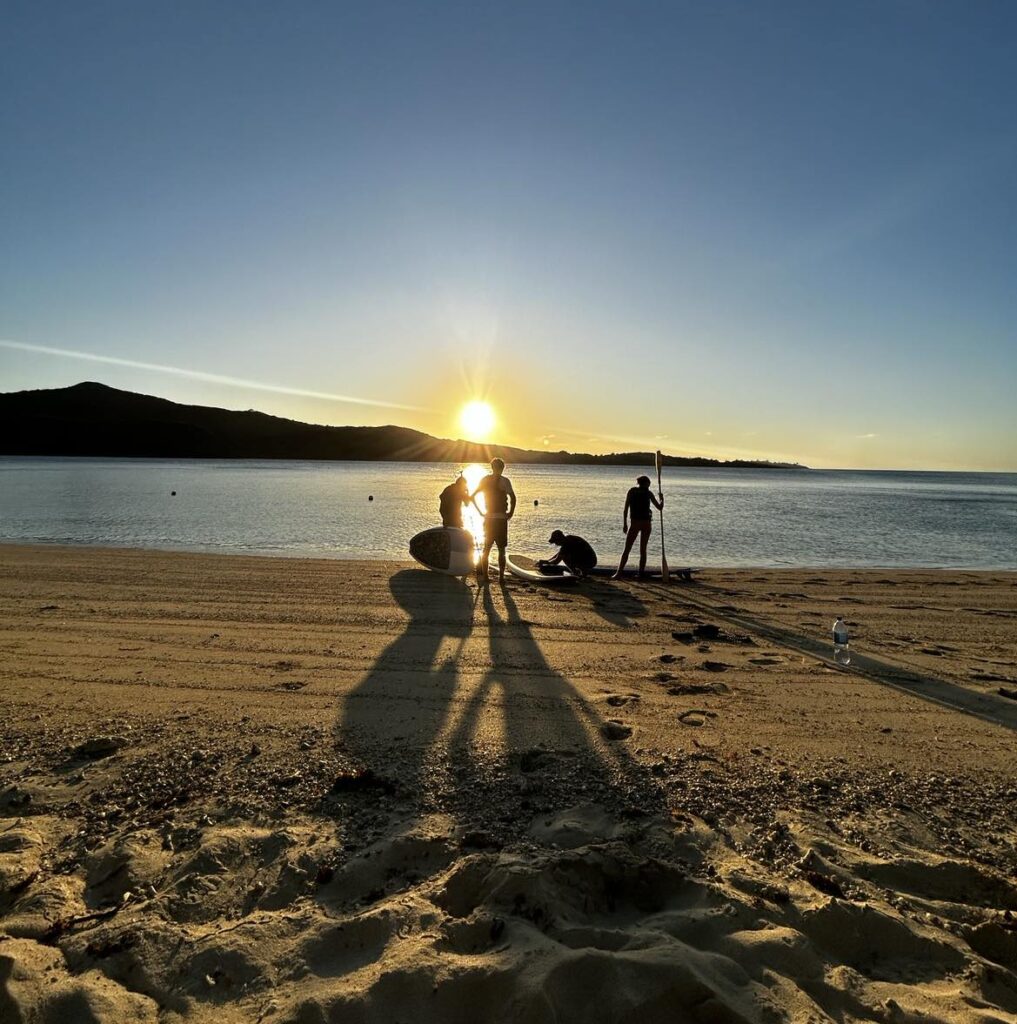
<point x="713" y="517"/>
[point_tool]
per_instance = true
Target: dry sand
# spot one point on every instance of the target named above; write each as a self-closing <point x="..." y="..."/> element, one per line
<point x="246" y="789"/>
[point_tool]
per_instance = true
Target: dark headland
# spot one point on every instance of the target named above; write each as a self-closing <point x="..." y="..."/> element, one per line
<point x="91" y="419"/>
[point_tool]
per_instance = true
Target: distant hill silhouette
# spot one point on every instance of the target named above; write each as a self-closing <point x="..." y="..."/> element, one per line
<point x="93" y="419"/>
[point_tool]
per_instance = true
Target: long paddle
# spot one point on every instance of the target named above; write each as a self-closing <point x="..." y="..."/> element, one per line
<point x="665" y="575"/>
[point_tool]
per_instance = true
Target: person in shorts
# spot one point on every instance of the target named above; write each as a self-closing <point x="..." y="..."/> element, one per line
<point x="499" y="507"/>
<point x="638" y="506"/>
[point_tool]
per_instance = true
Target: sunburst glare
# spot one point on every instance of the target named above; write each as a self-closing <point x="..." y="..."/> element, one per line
<point x="477" y="420"/>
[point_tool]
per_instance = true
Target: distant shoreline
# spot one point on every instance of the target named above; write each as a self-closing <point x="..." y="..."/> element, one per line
<point x="592" y="461"/>
<point x="96" y="421"/>
<point x="522" y="462"/>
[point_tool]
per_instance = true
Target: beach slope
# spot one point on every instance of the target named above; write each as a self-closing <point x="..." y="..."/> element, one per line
<point x="253" y="789"/>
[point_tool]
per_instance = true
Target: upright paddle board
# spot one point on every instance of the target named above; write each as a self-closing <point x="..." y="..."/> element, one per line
<point x="527" y="569"/>
<point x="447" y="549"/>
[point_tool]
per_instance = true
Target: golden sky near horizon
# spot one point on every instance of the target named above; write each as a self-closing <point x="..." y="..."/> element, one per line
<point x="456" y="396"/>
<point x="780" y="232"/>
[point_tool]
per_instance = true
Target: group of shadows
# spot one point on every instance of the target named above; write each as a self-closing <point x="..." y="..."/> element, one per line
<point x="448" y="725"/>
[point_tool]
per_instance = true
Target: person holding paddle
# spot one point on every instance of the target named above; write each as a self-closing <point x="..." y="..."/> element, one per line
<point x="638" y="506"/>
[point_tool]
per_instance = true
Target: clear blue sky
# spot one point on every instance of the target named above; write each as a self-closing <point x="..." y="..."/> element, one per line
<point x="773" y="229"/>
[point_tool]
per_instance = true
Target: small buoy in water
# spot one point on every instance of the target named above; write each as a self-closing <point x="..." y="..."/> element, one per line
<point x="535" y="503"/>
<point x="370" y="497"/>
<point x="173" y="494"/>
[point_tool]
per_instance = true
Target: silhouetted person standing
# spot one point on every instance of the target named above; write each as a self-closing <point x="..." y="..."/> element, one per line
<point x="637" y="505"/>
<point x="452" y="500"/>
<point x="499" y="507"/>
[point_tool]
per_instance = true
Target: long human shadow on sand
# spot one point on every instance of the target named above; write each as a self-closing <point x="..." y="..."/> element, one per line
<point x="488" y="751"/>
<point x="387" y="724"/>
<point x="523" y="717"/>
<point x="618" y="606"/>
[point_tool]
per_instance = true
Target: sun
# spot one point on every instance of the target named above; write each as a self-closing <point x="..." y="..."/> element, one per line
<point x="476" y="420"/>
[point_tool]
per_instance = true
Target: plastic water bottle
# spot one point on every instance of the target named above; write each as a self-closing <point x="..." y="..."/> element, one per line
<point x="841" y="648"/>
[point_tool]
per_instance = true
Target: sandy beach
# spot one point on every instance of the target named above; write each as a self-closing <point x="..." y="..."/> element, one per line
<point x="280" y="790"/>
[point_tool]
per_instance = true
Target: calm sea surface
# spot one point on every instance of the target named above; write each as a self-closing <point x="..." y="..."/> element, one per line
<point x="712" y="517"/>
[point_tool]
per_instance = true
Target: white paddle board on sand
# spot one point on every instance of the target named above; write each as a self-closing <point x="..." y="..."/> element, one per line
<point x="445" y="549"/>
<point x="526" y="569"/>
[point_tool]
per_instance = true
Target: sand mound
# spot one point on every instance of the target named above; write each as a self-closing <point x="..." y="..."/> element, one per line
<point x="588" y="918"/>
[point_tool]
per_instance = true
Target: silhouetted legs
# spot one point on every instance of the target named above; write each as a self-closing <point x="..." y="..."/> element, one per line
<point x="495" y="532"/>
<point x="486" y="557"/>
<point x="642" y="530"/>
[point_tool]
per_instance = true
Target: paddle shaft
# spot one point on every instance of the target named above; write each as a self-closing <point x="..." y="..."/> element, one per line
<point x="664" y="574"/>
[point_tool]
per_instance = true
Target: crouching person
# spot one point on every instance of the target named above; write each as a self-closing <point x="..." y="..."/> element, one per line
<point x="575" y="553"/>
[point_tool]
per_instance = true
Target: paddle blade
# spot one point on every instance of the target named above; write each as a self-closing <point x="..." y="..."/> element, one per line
<point x="665" y="573"/>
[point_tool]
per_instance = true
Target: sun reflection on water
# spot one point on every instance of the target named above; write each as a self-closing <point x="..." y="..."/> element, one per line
<point x="472" y="519"/>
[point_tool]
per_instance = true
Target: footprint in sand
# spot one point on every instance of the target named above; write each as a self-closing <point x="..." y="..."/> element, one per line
<point x="618" y="700"/>
<point x="695" y="689"/>
<point x="696" y="717"/>
<point x="765" y="661"/>
<point x="990" y="677"/>
<point x="664" y="677"/>
<point x="615" y="730"/>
